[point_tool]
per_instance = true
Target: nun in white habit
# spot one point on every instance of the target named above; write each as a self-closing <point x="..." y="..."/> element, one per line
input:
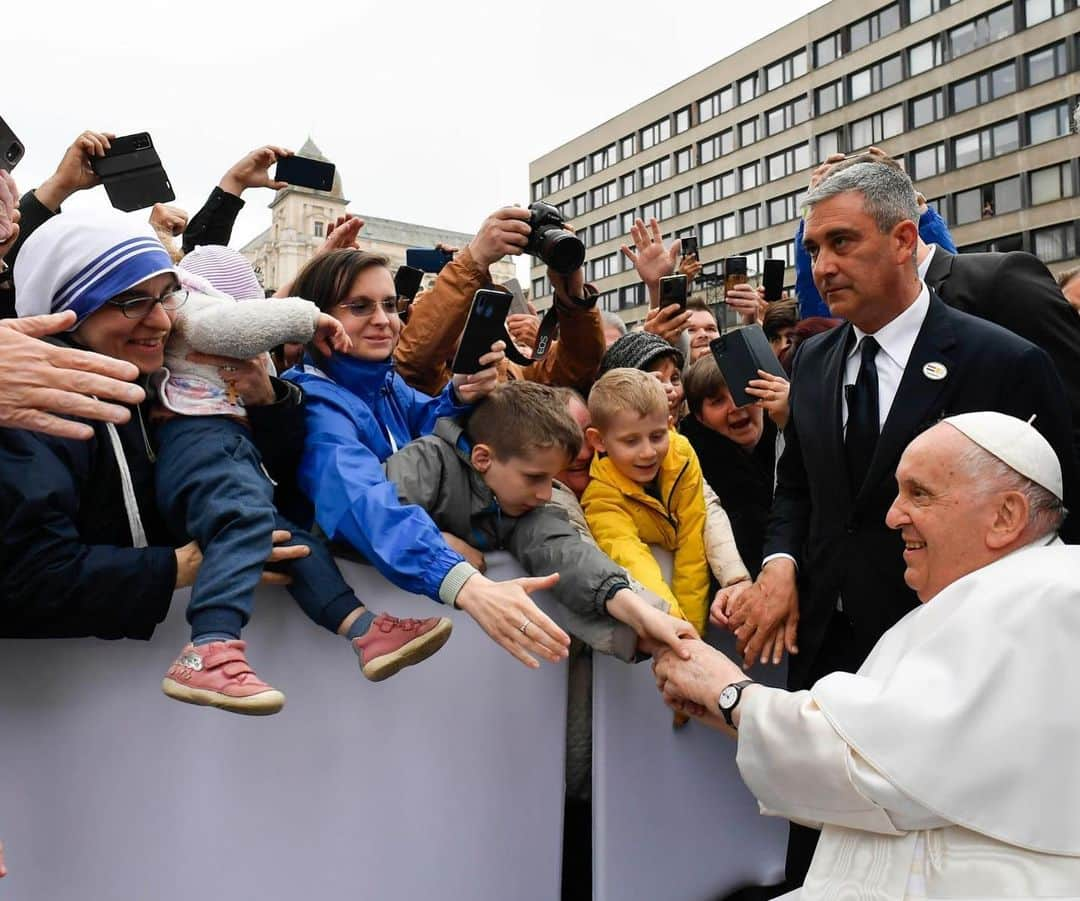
<point x="949" y="765"/>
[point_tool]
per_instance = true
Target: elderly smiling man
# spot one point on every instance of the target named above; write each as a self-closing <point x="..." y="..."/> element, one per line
<point x="947" y="766"/>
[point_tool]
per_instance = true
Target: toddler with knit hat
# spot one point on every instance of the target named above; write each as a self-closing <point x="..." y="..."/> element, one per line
<point x="212" y="486"/>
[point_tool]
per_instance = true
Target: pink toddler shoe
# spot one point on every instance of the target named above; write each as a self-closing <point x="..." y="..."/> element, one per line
<point x="392" y="644"/>
<point x="218" y="675"/>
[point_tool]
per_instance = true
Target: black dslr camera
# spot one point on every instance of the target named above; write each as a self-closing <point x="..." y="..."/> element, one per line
<point x="550" y="240"/>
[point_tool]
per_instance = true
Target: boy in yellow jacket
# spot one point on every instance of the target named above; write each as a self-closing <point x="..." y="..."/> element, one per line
<point x="646" y="488"/>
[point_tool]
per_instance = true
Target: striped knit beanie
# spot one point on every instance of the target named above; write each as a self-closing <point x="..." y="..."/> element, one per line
<point x="79" y="260"/>
<point x="226" y="270"/>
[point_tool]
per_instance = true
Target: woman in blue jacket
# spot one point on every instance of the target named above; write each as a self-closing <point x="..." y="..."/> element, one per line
<point x="358" y="412"/>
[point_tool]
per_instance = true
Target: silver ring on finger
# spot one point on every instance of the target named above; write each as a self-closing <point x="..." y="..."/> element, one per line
<point x="525" y="625"/>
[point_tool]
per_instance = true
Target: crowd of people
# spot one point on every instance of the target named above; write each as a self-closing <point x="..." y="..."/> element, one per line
<point x="168" y="425"/>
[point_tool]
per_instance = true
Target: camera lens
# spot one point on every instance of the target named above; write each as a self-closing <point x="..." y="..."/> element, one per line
<point x="12" y="153"/>
<point x="562" y="251"/>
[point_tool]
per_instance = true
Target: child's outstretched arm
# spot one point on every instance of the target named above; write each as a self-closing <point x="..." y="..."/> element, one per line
<point x="246" y="329"/>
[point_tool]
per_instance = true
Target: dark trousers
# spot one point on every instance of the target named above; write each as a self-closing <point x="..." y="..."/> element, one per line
<point x="211" y="487"/>
<point x="835" y="656"/>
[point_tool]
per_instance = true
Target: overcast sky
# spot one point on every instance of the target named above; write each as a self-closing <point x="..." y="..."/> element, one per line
<point x="431" y="112"/>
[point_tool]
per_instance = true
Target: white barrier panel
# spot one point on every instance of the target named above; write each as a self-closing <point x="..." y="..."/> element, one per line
<point x="444" y="782"/>
<point x="672" y="819"/>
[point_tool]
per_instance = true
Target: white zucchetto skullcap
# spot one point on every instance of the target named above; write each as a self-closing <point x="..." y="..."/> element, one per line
<point x="1016" y="444"/>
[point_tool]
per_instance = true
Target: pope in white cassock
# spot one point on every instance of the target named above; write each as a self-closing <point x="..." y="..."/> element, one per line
<point x="949" y="765"/>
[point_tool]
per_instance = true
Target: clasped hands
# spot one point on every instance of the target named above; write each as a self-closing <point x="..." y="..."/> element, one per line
<point x="764" y="615"/>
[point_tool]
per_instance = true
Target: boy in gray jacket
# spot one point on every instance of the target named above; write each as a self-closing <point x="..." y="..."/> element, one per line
<point x="488" y="482"/>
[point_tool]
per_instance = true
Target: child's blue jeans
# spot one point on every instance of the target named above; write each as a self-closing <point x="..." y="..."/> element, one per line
<point x="211" y="487"/>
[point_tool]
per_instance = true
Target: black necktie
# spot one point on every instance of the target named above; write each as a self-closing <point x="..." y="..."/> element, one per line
<point x="863" y="420"/>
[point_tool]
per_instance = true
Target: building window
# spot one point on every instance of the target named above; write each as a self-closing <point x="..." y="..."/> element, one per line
<point x="876" y="128"/>
<point x="659" y="209"/>
<point x="748" y="176"/>
<point x="626" y="221"/>
<point x="537" y="189"/>
<point x="581" y="170"/>
<point x="655" y="133"/>
<point x="748" y="88"/>
<point x="1042" y="65"/>
<point x="540" y="287"/>
<point x="872" y="28"/>
<point x="984" y="87"/>
<point x="828" y="144"/>
<point x="749" y="219"/>
<point x="876" y="77"/>
<point x="715" y="104"/>
<point x="923" y="57"/>
<point x="1036" y="11"/>
<point x="559" y="180"/>
<point x="1048" y="123"/>
<point x="787" y="69"/>
<point x="601" y="159"/>
<point x="626" y="147"/>
<point x="318" y="228"/>
<point x="748" y="132"/>
<point x="682" y="120"/>
<point x="967" y="206"/>
<point x="988" y="201"/>
<point x="986" y="143"/>
<point x="927" y="108"/>
<point x="580" y="207"/>
<point x="604" y="231"/>
<point x="785" y="252"/>
<point x="981" y="31"/>
<point x="684" y="200"/>
<point x="827" y="49"/>
<point x="566" y="208"/>
<point x="828" y="98"/>
<point x="787" y="116"/>
<point x="716" y="230"/>
<point x="786" y="208"/>
<point x="626" y="184"/>
<point x="788" y="161"/>
<point x="1051" y="183"/>
<point x="684" y="159"/>
<point x="920" y="9"/>
<point x="1055" y="243"/>
<point x="605" y="194"/>
<point x="655" y="172"/>
<point x="603" y="266"/>
<point x="928" y="162"/>
<point x="716" y="146"/>
<point x="632" y="296"/>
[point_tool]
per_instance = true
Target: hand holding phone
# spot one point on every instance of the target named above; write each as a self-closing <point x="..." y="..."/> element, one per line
<point x="486" y="325"/>
<point x="689" y="245"/>
<point x="428" y="259"/>
<point x="131" y="171"/>
<point x="305" y="172"/>
<point x="673" y="291"/>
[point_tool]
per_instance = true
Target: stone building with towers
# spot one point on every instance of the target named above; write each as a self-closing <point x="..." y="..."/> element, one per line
<point x="299" y="221"/>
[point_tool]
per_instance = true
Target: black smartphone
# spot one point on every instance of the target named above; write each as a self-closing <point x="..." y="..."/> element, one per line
<point x="734" y="272"/>
<point x="673" y="290"/>
<point x="486" y="325"/>
<point x="407" y="282"/>
<point x="689" y="246"/>
<point x="773" y="279"/>
<point x="305" y="172"/>
<point x="428" y="259"/>
<point x="132" y="173"/>
<point x="740" y="353"/>
<point x="11" y="148"/>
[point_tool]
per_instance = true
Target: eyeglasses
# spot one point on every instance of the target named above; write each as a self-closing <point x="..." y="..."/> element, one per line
<point x="362" y="309"/>
<point x="140" y="307"/>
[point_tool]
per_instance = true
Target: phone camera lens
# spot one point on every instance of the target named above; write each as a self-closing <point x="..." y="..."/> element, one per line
<point x="12" y="153"/>
<point x="142" y="144"/>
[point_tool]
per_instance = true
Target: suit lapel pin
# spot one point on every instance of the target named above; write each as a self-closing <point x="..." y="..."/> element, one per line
<point x="935" y="371"/>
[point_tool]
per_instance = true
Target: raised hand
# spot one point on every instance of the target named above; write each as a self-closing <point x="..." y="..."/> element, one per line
<point x="74" y="172"/>
<point x="472" y="388"/>
<point x="772" y="393"/>
<point x="253" y="171"/>
<point x="9" y="212"/>
<point x="650" y="258"/>
<point x="506" y="231"/>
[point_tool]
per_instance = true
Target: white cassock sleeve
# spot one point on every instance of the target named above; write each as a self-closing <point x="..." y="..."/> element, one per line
<point x="798" y="767"/>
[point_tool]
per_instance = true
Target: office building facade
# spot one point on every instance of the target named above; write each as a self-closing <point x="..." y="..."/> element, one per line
<point x="975" y="97"/>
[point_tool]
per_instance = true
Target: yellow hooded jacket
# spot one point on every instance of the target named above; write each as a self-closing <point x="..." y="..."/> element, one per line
<point x="625" y="520"/>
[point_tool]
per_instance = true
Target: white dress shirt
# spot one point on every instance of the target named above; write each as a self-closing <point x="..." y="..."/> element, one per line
<point x="896" y="339"/>
<point x="924" y="266"/>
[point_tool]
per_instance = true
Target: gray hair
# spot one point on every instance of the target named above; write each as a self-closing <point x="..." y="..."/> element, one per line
<point x="888" y="194"/>
<point x="613" y="320"/>
<point x="1046" y="512"/>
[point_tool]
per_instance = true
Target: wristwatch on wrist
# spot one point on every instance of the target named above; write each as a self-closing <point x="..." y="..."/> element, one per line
<point x="730" y="697"/>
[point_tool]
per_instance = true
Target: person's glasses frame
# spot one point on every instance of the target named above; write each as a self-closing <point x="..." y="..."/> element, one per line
<point x="363" y="309"/>
<point x="140" y="307"/>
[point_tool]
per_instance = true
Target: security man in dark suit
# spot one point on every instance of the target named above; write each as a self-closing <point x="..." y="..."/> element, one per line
<point x="859" y="394"/>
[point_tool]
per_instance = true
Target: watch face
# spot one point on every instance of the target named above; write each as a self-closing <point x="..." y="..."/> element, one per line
<point x="728" y="697"/>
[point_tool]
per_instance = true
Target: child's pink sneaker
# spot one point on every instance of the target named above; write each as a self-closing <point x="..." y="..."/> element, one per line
<point x="218" y="675"/>
<point x="392" y="644"/>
